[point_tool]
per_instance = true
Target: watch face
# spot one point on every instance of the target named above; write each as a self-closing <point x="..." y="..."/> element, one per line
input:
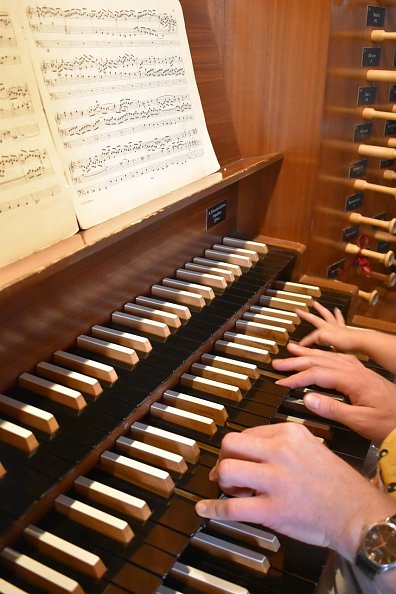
<point x="380" y="544"/>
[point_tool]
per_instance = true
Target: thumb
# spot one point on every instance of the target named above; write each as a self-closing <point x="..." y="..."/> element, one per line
<point x="328" y="407"/>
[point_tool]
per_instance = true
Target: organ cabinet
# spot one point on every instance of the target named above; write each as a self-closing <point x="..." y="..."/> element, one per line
<point x="129" y="349"/>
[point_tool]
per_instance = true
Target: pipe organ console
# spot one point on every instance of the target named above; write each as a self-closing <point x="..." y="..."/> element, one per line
<point x="130" y="350"/>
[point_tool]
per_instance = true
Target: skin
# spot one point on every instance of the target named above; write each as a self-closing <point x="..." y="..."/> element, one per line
<point x="330" y="329"/>
<point x="265" y="470"/>
<point x="372" y="408"/>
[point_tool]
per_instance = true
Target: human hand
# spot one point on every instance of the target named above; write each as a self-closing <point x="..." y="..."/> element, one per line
<point x="330" y="329"/>
<point x="372" y="408"/>
<point x="282" y="477"/>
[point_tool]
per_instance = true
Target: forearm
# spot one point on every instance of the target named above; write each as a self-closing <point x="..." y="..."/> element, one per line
<point x="379" y="346"/>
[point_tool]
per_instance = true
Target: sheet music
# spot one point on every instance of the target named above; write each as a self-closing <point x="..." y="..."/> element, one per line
<point x="35" y="209"/>
<point x="118" y="86"/>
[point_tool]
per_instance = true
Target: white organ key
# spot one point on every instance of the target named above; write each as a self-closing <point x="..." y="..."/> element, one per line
<point x="184" y="297"/>
<point x="118" y="352"/>
<point x="216" y="270"/>
<point x="114" y="498"/>
<point x="18" y="437"/>
<point x="7" y="588"/>
<point x="94" y="518"/>
<point x="243" y="351"/>
<point x="257" y="246"/>
<point x="125" y="339"/>
<point x="213" y="410"/>
<point x="143" y="324"/>
<point x="204" y="582"/>
<point x="255" y="341"/>
<point x="40" y="575"/>
<point x="203" y="278"/>
<point x="101" y="371"/>
<point x="72" y="379"/>
<point x="234" y="268"/>
<point x="279" y="313"/>
<point x="61" y="394"/>
<point x="271" y="320"/>
<point x="298" y="288"/>
<point x="208" y="386"/>
<point x="248" y="369"/>
<point x="222" y="375"/>
<point x="307" y="299"/>
<point x="29" y="415"/>
<point x="206" y="292"/>
<point x="278" y="303"/>
<point x="168" y="318"/>
<point x="140" y="474"/>
<point x="65" y="552"/>
<point x="236" y="554"/>
<point x="181" y="311"/>
<point x="186" y="447"/>
<point x="243" y="262"/>
<point x="280" y="335"/>
<point x="152" y="455"/>
<point x="183" y="418"/>
<point x="251" y="254"/>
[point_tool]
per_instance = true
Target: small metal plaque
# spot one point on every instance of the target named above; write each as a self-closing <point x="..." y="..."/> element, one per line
<point x="367" y="95"/>
<point x="371" y="56"/>
<point x="215" y="214"/>
<point x="362" y="131"/>
<point x="333" y="271"/>
<point x="354" y="202"/>
<point x="350" y="233"/>
<point x="390" y="128"/>
<point x="375" y="16"/>
<point x="392" y="93"/>
<point x="358" y="169"/>
<point x="386" y="163"/>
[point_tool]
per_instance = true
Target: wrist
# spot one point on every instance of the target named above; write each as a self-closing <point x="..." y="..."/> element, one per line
<point x="380" y="507"/>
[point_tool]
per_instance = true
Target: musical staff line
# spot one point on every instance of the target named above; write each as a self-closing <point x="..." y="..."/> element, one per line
<point x="158" y="167"/>
<point x="14" y="101"/>
<point x="38" y="14"/>
<point x="19" y="132"/>
<point x="123" y="40"/>
<point x="24" y="166"/>
<point x="125" y="131"/>
<point x="149" y="84"/>
<point x="7" y="33"/>
<point x="153" y="149"/>
<point x="30" y="199"/>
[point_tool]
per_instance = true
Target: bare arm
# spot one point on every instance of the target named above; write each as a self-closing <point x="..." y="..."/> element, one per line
<point x="331" y="329"/>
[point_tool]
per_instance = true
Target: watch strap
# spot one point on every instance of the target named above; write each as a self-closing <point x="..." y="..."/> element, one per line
<point x="368" y="568"/>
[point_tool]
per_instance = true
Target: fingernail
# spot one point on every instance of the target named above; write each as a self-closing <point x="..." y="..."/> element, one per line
<point x="201" y="508"/>
<point x="312" y="401"/>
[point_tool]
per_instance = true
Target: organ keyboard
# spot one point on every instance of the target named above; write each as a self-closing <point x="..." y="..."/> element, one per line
<point x="129" y="350"/>
<point x="107" y="446"/>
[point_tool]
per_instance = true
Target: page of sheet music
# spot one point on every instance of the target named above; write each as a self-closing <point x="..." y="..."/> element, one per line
<point x="118" y="84"/>
<point x="35" y="210"/>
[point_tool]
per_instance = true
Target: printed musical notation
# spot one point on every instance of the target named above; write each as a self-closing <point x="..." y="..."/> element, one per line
<point x="15" y="100"/>
<point x="30" y="199"/>
<point x="7" y="32"/>
<point x="139" y="118"/>
<point x="35" y="209"/>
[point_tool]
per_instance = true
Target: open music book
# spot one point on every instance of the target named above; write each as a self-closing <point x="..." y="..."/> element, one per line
<point x="99" y="113"/>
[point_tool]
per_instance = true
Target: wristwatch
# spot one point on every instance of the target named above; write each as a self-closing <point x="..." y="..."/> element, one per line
<point x="377" y="551"/>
